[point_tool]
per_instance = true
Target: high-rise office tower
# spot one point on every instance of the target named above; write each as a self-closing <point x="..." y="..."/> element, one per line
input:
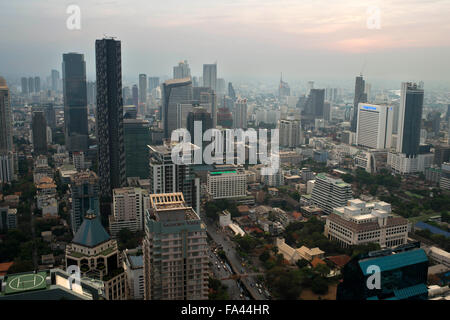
<point x="283" y="89"/>
<point x="31" y="85"/>
<point x="174" y="92"/>
<point x="210" y="76"/>
<point x="6" y="140"/>
<point x="49" y="113"/>
<point x="195" y="82"/>
<point x="206" y="97"/>
<point x="91" y="93"/>
<point x="447" y="115"/>
<point x="85" y="195"/>
<point x="221" y="86"/>
<point x="24" y="82"/>
<point x="314" y="105"/>
<point x="374" y="126"/>
<point x="309" y="87"/>
<point x="182" y="275"/>
<point x="182" y="70"/>
<point x="329" y="193"/>
<point x="55" y="80"/>
<point x="409" y="120"/>
<point x="166" y="176"/>
<point x="75" y="102"/>
<point x="153" y="82"/>
<point x="360" y="96"/>
<point x="231" y="92"/>
<point x="240" y="114"/>
<point x="37" y="84"/>
<point x="202" y="115"/>
<point x="435" y="118"/>
<point x="137" y="138"/>
<point x="135" y="95"/>
<point x="39" y="130"/>
<point x="142" y="88"/>
<point x="111" y="151"/>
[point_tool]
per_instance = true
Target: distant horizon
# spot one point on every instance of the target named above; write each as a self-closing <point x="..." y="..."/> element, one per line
<point x="249" y="39"/>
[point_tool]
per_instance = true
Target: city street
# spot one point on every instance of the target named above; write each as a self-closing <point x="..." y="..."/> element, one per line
<point x="228" y="247"/>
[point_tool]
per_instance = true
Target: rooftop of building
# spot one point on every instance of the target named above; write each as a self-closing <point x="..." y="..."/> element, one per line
<point x="171" y="202"/>
<point x="393" y="261"/>
<point x="91" y="232"/>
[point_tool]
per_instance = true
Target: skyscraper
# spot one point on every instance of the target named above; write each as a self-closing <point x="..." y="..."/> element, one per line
<point x="231" y="92"/>
<point x="166" y="176"/>
<point x="135" y="95"/>
<point x="283" y="89"/>
<point x="24" y="82"/>
<point x="329" y="193"/>
<point x="6" y="140"/>
<point x="174" y="92"/>
<point x="111" y="151"/>
<point x="137" y="138"/>
<point x="153" y="82"/>
<point x="314" y="105"/>
<point x="142" y="88"/>
<point x="374" y="126"/>
<point x="210" y="76"/>
<point x="39" y="129"/>
<point x="409" y="120"/>
<point x="55" y="80"/>
<point x="182" y="70"/>
<point x="290" y="133"/>
<point x="75" y="102"/>
<point x="31" y="85"/>
<point x="360" y="96"/>
<point x="37" y="84"/>
<point x="240" y="114"/>
<point x="202" y="115"/>
<point x="182" y="275"/>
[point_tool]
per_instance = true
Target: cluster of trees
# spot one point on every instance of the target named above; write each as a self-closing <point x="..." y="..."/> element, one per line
<point x="213" y="208"/>
<point x="218" y="291"/>
<point x="439" y="239"/>
<point x="383" y="178"/>
<point x="17" y="246"/>
<point x="247" y="243"/>
<point x="128" y="239"/>
<point x="287" y="284"/>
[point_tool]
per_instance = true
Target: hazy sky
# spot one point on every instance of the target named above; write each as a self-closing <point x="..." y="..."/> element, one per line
<point x="248" y="38"/>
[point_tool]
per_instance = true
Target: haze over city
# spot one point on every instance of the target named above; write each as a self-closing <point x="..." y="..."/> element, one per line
<point x="249" y="39"/>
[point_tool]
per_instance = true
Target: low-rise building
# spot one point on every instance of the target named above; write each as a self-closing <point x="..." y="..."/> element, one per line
<point x="360" y="222"/>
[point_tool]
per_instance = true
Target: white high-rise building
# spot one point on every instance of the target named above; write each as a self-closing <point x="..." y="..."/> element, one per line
<point x="210" y="76"/>
<point x="129" y="205"/>
<point x="374" y="126"/>
<point x="240" y="114"/>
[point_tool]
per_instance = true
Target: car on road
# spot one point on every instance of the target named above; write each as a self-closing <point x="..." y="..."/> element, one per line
<point x="259" y="290"/>
<point x="218" y="267"/>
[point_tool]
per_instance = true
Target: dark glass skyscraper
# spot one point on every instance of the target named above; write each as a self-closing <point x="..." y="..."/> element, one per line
<point x="137" y="138"/>
<point x="410" y="118"/>
<point x="111" y="151"/>
<point x="75" y="102"/>
<point x="360" y="96"/>
<point x="39" y="129"/>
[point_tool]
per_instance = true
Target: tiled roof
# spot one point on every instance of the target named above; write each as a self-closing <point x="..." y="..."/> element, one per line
<point x="91" y="233"/>
<point x="340" y="260"/>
